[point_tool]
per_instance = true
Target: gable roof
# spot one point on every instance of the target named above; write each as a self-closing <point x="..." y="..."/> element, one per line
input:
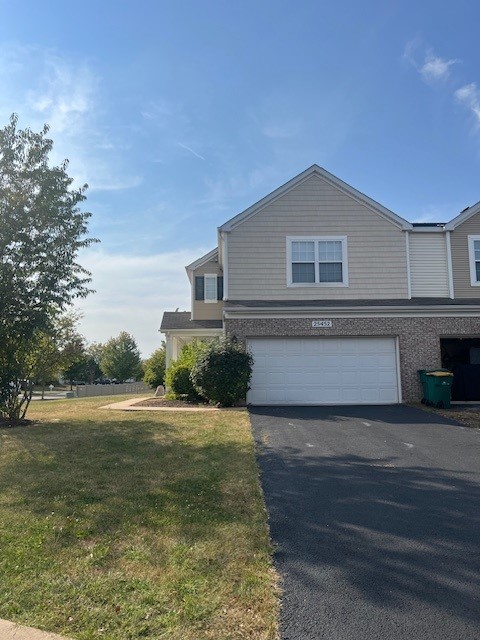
<point x="463" y="217"/>
<point x="211" y="255"/>
<point x="329" y="178"/>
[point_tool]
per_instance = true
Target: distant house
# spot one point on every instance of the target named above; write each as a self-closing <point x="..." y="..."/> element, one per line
<point x="339" y="300"/>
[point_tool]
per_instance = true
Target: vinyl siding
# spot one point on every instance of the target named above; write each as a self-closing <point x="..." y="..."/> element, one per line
<point x="460" y="259"/>
<point x="257" y="260"/>
<point x="428" y="265"/>
<point x="202" y="310"/>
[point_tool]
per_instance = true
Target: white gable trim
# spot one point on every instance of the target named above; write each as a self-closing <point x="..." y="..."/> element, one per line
<point x="211" y="255"/>
<point x="330" y="179"/>
<point x="462" y="217"/>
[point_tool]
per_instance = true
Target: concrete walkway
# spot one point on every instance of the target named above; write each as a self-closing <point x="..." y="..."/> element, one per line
<point x="12" y="631"/>
<point x="130" y="405"/>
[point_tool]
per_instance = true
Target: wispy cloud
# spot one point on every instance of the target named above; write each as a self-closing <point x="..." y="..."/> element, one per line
<point x="65" y="95"/>
<point x="469" y="96"/>
<point x="431" y="67"/>
<point x="435" y="68"/>
<point x="121" y="280"/>
<point x="44" y="87"/>
<point x="184" y="146"/>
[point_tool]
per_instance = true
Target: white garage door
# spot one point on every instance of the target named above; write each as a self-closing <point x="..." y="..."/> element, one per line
<point x="323" y="371"/>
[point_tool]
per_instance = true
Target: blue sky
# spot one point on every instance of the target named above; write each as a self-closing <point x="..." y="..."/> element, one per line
<point x="181" y="114"/>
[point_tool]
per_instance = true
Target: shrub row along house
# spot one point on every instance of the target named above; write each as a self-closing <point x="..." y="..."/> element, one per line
<point x="339" y="300"/>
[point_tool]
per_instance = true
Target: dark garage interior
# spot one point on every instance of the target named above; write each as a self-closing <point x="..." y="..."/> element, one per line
<point x="462" y="357"/>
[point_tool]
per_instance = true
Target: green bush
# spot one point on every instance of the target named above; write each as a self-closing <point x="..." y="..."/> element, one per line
<point x="178" y="380"/>
<point x="177" y="377"/>
<point x="221" y="372"/>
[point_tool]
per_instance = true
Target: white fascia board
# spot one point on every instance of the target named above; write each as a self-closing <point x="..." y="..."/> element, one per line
<point x="356" y="312"/>
<point x="428" y="229"/>
<point x="201" y="261"/>
<point x="462" y="217"/>
<point x="193" y="332"/>
<point x="331" y="179"/>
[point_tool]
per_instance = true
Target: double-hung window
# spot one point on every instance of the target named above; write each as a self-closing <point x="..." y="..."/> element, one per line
<point x="474" y="258"/>
<point x="209" y="288"/>
<point x="317" y="261"/>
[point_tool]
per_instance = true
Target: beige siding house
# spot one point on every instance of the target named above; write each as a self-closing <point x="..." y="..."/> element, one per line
<point x="339" y="300"/>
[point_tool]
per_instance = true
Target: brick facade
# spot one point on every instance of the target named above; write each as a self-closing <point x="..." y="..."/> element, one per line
<point x="419" y="338"/>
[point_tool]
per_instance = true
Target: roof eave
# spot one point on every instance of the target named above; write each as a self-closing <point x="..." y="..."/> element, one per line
<point x="463" y="217"/>
<point x="203" y="260"/>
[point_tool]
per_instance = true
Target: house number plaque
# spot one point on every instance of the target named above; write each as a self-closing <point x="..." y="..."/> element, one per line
<point x="321" y="324"/>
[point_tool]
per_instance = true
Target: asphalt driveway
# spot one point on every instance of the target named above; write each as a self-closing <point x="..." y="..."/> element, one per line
<point x="375" y="515"/>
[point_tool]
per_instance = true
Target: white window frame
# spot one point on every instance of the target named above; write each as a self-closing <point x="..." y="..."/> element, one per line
<point x="471" y="258"/>
<point x="316" y="240"/>
<point x="212" y="276"/>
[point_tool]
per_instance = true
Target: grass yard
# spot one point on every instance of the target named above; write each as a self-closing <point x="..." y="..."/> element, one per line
<point x="123" y="525"/>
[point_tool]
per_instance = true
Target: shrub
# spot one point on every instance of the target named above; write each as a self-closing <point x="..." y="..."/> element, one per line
<point x="221" y="372"/>
<point x="177" y="377"/>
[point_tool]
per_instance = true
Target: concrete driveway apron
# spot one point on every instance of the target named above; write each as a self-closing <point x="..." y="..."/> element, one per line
<point x="375" y="517"/>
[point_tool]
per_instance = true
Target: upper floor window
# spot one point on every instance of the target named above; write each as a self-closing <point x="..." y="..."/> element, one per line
<point x="474" y="257"/>
<point x="317" y="261"/>
<point x="209" y="288"/>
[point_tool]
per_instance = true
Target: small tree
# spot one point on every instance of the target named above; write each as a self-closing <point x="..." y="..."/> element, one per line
<point x="56" y="350"/>
<point x="154" y="374"/>
<point x="121" y="358"/>
<point x="222" y="372"/>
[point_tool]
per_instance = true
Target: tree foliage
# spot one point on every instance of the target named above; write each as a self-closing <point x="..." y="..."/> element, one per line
<point x="121" y="358"/>
<point x="177" y="377"/>
<point x="222" y="372"/>
<point x="154" y="372"/>
<point x="86" y="367"/>
<point x="42" y="229"/>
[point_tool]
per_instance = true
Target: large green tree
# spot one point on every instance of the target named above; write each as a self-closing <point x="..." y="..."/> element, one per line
<point x="42" y="230"/>
<point x="121" y="358"/>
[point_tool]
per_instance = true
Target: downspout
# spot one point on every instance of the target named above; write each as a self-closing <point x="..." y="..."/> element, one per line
<point x="409" y="277"/>
<point x="449" y="265"/>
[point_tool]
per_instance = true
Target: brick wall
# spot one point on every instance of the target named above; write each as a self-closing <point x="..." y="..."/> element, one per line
<point x="419" y="338"/>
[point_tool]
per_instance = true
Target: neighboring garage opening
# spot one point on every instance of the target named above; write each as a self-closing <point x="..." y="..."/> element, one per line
<point x="462" y="357"/>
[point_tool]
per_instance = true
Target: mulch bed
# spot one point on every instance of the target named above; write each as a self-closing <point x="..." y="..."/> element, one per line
<point x="162" y="402"/>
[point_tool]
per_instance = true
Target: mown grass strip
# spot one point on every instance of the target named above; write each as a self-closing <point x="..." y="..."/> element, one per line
<point x="134" y="525"/>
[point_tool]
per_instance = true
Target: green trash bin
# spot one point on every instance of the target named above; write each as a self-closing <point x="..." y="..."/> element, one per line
<point x="437" y="387"/>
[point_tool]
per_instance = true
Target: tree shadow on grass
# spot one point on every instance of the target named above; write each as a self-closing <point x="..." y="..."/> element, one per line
<point x="102" y="481"/>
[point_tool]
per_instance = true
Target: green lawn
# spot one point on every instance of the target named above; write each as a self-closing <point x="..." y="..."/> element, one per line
<point x="123" y="525"/>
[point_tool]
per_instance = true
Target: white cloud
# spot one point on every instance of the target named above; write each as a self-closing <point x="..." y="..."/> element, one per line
<point x="132" y="292"/>
<point x="431" y="67"/>
<point x="469" y="96"/>
<point x="43" y="87"/>
<point x="184" y="146"/>
<point x="65" y="95"/>
<point x="435" y="68"/>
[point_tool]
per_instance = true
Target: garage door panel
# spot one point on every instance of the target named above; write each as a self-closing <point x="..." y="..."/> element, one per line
<point x="323" y="371"/>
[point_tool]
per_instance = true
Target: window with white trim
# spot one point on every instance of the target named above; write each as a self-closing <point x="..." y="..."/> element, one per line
<point x="210" y="285"/>
<point x="474" y="258"/>
<point x="317" y="261"/>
